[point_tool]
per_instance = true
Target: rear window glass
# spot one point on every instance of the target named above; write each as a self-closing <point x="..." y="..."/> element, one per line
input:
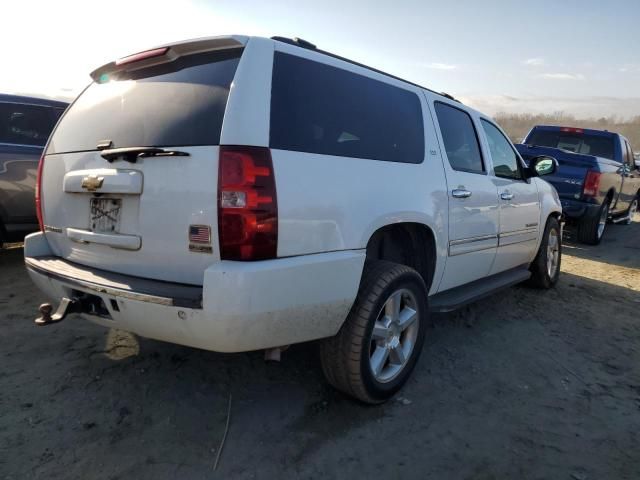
<point x="321" y="109"/>
<point x="597" y="145"/>
<point x="460" y="138"/>
<point x="26" y="124"/>
<point x="179" y="103"/>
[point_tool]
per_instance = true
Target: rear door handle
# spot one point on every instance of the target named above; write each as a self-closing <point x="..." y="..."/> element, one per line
<point x="506" y="196"/>
<point x="460" y="193"/>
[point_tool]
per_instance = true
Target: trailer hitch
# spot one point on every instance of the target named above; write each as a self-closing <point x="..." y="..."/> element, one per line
<point x="67" y="305"/>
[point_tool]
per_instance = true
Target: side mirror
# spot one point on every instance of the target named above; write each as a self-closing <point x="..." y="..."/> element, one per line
<point x="543" y="165"/>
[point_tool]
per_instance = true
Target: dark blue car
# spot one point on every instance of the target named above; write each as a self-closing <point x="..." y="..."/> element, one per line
<point x="25" y="125"/>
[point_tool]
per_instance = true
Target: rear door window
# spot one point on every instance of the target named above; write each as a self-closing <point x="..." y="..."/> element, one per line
<point x="22" y="124"/>
<point x="179" y="103"/>
<point x="460" y="138"/>
<point x="318" y="108"/>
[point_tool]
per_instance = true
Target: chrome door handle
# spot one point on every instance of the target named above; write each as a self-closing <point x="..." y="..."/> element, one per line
<point x="506" y="196"/>
<point x="460" y="193"/>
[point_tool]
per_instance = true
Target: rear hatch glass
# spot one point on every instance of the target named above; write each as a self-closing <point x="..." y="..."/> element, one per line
<point x="176" y="103"/>
<point x="583" y="143"/>
<point x="137" y="215"/>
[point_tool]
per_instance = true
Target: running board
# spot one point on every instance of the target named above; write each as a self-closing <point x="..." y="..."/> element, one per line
<point x="458" y="297"/>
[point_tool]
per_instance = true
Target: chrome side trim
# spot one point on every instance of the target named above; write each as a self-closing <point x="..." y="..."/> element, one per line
<point x="472" y="239"/>
<point x="518" y="236"/>
<point x="473" y="244"/>
<point x="486" y="242"/>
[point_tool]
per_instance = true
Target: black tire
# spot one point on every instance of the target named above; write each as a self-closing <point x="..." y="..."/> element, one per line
<point x="346" y="357"/>
<point x="633" y="208"/>
<point x="540" y="275"/>
<point x="589" y="227"/>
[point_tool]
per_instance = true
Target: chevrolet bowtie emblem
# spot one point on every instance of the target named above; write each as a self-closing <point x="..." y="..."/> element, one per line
<point x="91" y="183"/>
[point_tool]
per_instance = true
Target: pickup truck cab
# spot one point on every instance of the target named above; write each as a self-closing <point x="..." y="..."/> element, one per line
<point x="244" y="193"/>
<point x="25" y="125"/>
<point x="598" y="178"/>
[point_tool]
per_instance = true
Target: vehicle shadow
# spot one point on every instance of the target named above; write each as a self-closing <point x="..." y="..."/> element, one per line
<point x="619" y="246"/>
<point x="519" y="368"/>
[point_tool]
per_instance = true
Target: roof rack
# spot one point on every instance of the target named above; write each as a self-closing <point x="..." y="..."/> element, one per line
<point x="298" y="42"/>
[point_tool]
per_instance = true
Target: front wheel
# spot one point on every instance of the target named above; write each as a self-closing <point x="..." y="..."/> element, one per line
<point x="545" y="268"/>
<point x="378" y="346"/>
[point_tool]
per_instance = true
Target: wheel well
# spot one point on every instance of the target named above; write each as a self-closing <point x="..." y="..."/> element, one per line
<point x="410" y="244"/>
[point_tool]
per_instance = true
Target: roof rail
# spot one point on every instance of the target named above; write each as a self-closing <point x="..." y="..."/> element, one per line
<point x="298" y="42"/>
<point x="450" y="97"/>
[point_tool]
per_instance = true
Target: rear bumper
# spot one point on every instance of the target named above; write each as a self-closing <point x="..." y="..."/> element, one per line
<point x="241" y="306"/>
<point x="575" y="209"/>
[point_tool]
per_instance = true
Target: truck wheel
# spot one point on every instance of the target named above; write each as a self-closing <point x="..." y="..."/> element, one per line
<point x="591" y="229"/>
<point x="379" y="343"/>
<point x="633" y="208"/>
<point x="545" y="268"/>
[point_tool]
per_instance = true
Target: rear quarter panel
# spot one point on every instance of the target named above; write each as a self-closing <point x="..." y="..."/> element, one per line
<point x="610" y="182"/>
<point x="332" y="203"/>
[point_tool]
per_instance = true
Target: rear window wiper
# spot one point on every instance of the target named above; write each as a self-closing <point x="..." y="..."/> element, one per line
<point x="132" y="154"/>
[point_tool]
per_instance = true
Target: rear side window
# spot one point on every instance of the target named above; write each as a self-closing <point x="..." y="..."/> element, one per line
<point x="26" y="124"/>
<point x="318" y="108"/>
<point x="584" y="143"/>
<point x="179" y="103"/>
<point x="460" y="138"/>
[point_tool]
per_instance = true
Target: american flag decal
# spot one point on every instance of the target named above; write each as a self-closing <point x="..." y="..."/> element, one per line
<point x="200" y="233"/>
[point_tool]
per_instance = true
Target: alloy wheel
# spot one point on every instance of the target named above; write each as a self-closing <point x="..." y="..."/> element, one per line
<point x="394" y="336"/>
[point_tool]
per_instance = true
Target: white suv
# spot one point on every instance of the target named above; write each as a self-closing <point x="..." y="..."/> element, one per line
<point x="237" y="193"/>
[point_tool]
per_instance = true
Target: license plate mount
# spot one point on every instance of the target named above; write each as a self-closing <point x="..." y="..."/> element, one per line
<point x="105" y="214"/>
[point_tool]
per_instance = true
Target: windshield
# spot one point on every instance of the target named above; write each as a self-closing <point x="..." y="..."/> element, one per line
<point x="180" y="103"/>
<point x="584" y="143"/>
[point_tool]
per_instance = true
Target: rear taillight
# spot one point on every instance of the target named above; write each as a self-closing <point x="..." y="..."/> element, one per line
<point x="39" y="193"/>
<point x="247" y="204"/>
<point x="571" y="130"/>
<point x="591" y="184"/>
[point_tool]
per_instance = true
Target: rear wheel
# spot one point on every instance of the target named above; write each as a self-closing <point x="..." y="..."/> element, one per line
<point x="379" y="344"/>
<point x="591" y="229"/>
<point x="545" y="268"/>
<point x="633" y="208"/>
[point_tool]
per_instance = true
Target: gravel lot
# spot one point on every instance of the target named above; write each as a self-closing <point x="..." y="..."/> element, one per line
<point x="526" y="384"/>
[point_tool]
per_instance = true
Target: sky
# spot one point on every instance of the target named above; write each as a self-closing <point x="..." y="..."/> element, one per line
<point x="576" y="57"/>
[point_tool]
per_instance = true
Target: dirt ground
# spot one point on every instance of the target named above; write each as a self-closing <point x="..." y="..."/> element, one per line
<point x="526" y="384"/>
